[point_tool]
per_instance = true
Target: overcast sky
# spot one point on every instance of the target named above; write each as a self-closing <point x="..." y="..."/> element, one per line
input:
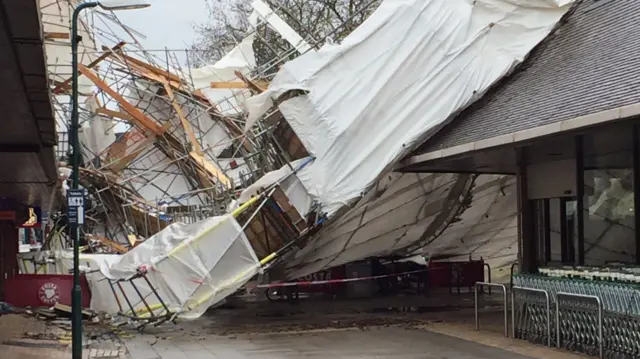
<point x="167" y="23"/>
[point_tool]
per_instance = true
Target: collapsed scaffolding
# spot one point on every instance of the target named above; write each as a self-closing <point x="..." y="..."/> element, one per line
<point x="191" y="154"/>
<point x="185" y="155"/>
<point x="191" y="160"/>
<point x="149" y="308"/>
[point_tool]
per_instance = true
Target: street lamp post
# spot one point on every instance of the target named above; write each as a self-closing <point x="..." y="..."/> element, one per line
<point x="76" y="294"/>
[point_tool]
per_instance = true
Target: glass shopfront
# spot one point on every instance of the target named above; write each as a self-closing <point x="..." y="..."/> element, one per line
<point x="608" y="196"/>
<point x="594" y="222"/>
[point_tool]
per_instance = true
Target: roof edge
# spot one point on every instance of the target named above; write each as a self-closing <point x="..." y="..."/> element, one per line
<point x="576" y="123"/>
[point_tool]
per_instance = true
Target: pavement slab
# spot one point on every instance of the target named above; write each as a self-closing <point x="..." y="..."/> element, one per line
<point x="24" y="336"/>
<point x="498" y="340"/>
<point x="383" y="328"/>
<point x="380" y="343"/>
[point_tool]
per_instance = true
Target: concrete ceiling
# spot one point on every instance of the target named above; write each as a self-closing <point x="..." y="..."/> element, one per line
<point x="27" y="132"/>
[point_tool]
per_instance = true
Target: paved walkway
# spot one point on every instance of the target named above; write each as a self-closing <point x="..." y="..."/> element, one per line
<point x="386" y="342"/>
<point x="25" y="337"/>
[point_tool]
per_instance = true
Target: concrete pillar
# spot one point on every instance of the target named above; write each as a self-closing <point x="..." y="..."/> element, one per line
<point x="527" y="247"/>
<point x="8" y="253"/>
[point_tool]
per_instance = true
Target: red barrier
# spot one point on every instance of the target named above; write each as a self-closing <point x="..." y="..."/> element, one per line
<point x="439" y="274"/>
<point x="466" y="274"/>
<point x="43" y="290"/>
<point x="456" y="274"/>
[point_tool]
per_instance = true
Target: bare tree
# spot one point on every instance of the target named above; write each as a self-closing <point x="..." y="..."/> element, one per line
<point x="314" y="20"/>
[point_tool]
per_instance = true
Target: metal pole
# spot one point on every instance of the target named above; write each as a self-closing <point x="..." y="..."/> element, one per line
<point x="166" y="309"/>
<point x="558" y="321"/>
<point x="548" y="299"/>
<point x="475" y="306"/>
<point x="76" y="294"/>
<point x="513" y="312"/>
<point x="505" y="303"/>
<point x="601" y="344"/>
<point x="115" y="296"/>
<point x="488" y="274"/>
<point x="506" y="312"/>
<point x="144" y="301"/>
<point x="126" y="299"/>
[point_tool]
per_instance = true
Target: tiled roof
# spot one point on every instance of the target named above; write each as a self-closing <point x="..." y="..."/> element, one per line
<point x="591" y="63"/>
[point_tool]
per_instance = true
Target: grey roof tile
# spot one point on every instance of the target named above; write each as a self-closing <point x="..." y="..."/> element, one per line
<point x="591" y="63"/>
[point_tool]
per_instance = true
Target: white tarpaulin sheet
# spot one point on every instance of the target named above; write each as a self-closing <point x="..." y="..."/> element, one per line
<point x="396" y="79"/>
<point x="191" y="266"/>
<point x="241" y="59"/>
<point x="433" y="214"/>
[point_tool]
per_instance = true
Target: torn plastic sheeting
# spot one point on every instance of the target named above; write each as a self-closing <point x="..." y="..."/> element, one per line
<point x="97" y="132"/>
<point x="395" y="215"/>
<point x="102" y="297"/>
<point x="191" y="266"/>
<point x="215" y="138"/>
<point x="401" y="217"/>
<point x="398" y="76"/>
<point x="157" y="176"/>
<point x="286" y="177"/>
<point x="241" y="58"/>
<point x="280" y="26"/>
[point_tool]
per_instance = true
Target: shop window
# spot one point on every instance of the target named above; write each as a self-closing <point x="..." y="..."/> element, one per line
<point x="608" y="207"/>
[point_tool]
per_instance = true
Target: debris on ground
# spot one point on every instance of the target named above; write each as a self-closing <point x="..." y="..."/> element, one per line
<point x="62" y="310"/>
<point x="6" y="308"/>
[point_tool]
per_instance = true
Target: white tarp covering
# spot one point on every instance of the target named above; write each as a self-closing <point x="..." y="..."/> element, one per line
<point x="191" y="266"/>
<point x="241" y="59"/>
<point x="153" y="175"/>
<point x="396" y="79"/>
<point x="287" y="180"/>
<point x="96" y="132"/>
<point x="414" y="213"/>
<point x="279" y="25"/>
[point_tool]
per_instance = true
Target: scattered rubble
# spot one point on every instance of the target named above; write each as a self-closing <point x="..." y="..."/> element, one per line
<point x="6" y="308"/>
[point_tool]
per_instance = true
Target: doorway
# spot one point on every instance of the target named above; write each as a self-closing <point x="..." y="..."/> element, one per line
<point x="556" y="227"/>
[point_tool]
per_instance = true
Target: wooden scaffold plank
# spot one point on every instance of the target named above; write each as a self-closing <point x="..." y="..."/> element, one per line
<point x="63" y="87"/>
<point x="138" y="117"/>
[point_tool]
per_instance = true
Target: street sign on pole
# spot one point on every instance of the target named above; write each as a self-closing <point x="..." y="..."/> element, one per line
<point x="75" y="206"/>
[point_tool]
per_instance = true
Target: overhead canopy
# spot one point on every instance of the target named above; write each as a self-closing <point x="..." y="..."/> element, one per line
<point x="28" y="128"/>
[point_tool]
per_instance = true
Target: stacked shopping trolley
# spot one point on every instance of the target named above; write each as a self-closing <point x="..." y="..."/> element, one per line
<point x="594" y="304"/>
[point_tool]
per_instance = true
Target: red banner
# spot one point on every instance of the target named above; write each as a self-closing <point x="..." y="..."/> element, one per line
<point x="43" y="290"/>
